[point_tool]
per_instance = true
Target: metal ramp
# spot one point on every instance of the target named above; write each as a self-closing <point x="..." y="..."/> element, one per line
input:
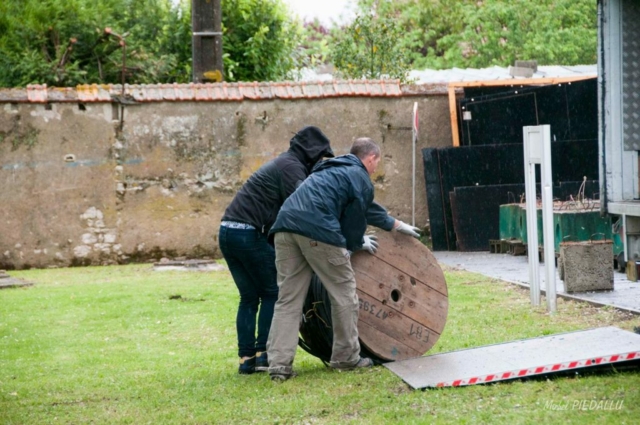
<point x="519" y="359"/>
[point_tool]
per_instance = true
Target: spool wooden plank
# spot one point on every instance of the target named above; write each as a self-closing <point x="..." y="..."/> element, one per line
<point x="403" y="297"/>
<point x="392" y="323"/>
<point x="411" y="299"/>
<point x="398" y="349"/>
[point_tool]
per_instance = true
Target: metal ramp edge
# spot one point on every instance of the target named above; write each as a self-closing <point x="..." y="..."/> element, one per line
<point x="520" y="359"/>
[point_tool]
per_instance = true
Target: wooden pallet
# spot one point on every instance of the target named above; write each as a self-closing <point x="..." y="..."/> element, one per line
<point x="498" y="246"/>
<point x="507" y="246"/>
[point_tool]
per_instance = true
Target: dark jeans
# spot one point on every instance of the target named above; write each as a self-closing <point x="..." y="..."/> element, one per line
<point x="252" y="262"/>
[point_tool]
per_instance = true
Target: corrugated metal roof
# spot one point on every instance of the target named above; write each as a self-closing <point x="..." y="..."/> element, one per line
<point x="453" y="75"/>
<point x="431" y="76"/>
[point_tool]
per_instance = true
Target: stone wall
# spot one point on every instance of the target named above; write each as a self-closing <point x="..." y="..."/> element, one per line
<point x="86" y="183"/>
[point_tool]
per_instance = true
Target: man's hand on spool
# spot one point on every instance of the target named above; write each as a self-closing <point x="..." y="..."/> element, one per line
<point x="403" y="227"/>
<point x="370" y="244"/>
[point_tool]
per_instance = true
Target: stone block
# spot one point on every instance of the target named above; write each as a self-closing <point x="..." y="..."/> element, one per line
<point x="587" y="266"/>
<point x="527" y="64"/>
<point x="516" y="71"/>
<point x="89" y="239"/>
<point x="633" y="270"/>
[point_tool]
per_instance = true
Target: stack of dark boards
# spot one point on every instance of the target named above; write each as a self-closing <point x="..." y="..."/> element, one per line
<point x="466" y="186"/>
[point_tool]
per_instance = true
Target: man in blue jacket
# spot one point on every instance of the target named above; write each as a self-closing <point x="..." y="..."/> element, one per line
<point x="317" y="228"/>
<point x="243" y="240"/>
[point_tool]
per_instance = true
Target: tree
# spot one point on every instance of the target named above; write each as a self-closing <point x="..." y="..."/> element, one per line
<point x="423" y="24"/>
<point x="69" y="42"/>
<point x="369" y="49"/>
<point x="314" y="48"/>
<point x="553" y="32"/>
<point x="470" y="33"/>
<point x="259" y="39"/>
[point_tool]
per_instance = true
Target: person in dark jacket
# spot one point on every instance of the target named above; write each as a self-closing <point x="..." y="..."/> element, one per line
<point x="317" y="227"/>
<point x="243" y="240"/>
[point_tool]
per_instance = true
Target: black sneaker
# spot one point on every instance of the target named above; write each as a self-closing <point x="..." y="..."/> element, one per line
<point x="247" y="365"/>
<point x="363" y="362"/>
<point x="262" y="363"/>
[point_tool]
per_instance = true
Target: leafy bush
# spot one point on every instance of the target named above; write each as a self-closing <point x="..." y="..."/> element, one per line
<point x="69" y="42"/>
<point x="469" y="33"/>
<point x="259" y="40"/>
<point x="369" y="49"/>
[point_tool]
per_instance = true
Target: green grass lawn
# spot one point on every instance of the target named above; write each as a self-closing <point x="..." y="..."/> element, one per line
<point x="108" y="345"/>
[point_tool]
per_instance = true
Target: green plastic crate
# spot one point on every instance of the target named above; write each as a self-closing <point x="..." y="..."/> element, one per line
<point x="569" y="226"/>
<point x="523" y="224"/>
<point x="510" y="221"/>
<point x="580" y="226"/>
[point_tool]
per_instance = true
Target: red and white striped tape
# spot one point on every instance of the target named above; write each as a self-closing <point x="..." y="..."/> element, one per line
<point x="541" y="369"/>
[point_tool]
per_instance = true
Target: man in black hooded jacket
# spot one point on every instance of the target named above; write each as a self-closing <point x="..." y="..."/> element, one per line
<point x="244" y="243"/>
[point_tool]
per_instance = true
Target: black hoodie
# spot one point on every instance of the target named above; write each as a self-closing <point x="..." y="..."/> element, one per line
<point x="258" y="201"/>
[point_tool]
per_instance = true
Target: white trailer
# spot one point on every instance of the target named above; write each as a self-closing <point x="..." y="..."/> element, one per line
<point x="619" y="120"/>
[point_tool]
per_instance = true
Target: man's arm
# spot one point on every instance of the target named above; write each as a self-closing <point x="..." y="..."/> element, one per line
<point x="292" y="176"/>
<point x="377" y="216"/>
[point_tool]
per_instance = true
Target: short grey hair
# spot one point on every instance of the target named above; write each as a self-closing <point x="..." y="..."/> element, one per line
<point x="363" y="147"/>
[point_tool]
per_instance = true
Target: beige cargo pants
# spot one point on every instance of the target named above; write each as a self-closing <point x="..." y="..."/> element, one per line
<point x="297" y="257"/>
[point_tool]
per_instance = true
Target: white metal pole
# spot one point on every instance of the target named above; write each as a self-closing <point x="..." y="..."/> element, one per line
<point x="547" y="220"/>
<point x="549" y="248"/>
<point x="532" y="235"/>
<point x="414" y="127"/>
<point x="531" y="214"/>
<point x="413" y="196"/>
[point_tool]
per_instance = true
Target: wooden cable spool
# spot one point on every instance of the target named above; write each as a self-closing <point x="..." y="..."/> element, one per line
<point x="403" y="302"/>
<point x="403" y="297"/>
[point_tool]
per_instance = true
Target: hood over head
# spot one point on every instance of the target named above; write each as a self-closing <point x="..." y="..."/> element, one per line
<point x="310" y="145"/>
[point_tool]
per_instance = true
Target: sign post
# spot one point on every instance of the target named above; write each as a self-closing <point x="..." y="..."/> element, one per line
<point x="414" y="128"/>
<point x="537" y="150"/>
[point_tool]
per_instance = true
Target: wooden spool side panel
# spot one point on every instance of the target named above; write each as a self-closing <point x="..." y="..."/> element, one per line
<point x="403" y="297"/>
<point x="395" y="325"/>
<point x="396" y="350"/>
<point x="409" y="255"/>
<point x="417" y="301"/>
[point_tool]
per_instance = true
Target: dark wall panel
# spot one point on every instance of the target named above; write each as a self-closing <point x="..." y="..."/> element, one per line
<point x="478" y="213"/>
<point x="435" y="200"/>
<point x="499" y="113"/>
<point x="489" y="165"/>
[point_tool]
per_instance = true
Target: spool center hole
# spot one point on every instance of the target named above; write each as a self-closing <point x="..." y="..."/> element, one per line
<point x="395" y="295"/>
